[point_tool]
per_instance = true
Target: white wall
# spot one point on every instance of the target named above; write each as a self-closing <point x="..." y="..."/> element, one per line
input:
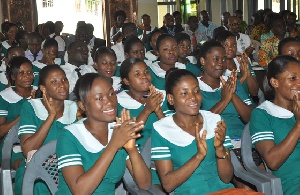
<point x="148" y="7"/>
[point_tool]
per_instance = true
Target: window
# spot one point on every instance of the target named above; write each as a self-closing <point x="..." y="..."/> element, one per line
<point x="92" y="6"/>
<point x="78" y="5"/>
<point x="164" y="7"/>
<point x="47" y="3"/>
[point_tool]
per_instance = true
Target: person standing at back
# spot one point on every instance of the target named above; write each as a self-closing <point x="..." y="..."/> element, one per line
<point x="77" y="63"/>
<point x="205" y="25"/>
<point x="243" y="41"/>
<point x="49" y="32"/>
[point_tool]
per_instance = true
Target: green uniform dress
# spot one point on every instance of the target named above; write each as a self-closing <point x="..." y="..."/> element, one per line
<point x="10" y="108"/>
<point x="211" y="97"/>
<point x="37" y="66"/>
<point x="33" y="115"/>
<point x="170" y="142"/>
<point x="135" y="108"/>
<point x="245" y="85"/>
<point x="270" y="122"/>
<point x="76" y="146"/>
<point x="150" y="56"/>
<point x="158" y="74"/>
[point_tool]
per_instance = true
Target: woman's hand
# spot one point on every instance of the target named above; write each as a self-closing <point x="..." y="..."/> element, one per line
<point x="48" y="103"/>
<point x="201" y="142"/>
<point x="296" y="107"/>
<point x="220" y="133"/>
<point x="229" y="86"/>
<point x="32" y="94"/>
<point x="125" y="132"/>
<point x="154" y="100"/>
<point x="244" y="67"/>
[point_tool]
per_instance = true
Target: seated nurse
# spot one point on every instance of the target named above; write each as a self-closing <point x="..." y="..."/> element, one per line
<point x="190" y="148"/>
<point x="12" y="98"/>
<point x="274" y="126"/>
<point x="94" y="152"/>
<point x="166" y="47"/>
<point x="105" y="62"/>
<point x="42" y="120"/>
<point x="223" y="95"/>
<point x="140" y="97"/>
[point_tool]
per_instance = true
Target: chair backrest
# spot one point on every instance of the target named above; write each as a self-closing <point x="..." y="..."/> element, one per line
<point x="246" y="149"/>
<point x="128" y="180"/>
<point x="43" y="165"/>
<point x="7" y="174"/>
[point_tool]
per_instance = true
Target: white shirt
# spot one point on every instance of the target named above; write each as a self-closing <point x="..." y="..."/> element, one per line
<point x="90" y="59"/>
<point x="72" y="74"/>
<point x="243" y="42"/>
<point x="60" y="41"/>
<point x="119" y="50"/>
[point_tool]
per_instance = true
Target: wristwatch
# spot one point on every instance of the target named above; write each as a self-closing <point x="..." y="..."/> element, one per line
<point x="224" y="156"/>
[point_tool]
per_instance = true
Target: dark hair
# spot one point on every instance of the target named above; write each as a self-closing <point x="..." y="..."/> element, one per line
<point x="12" y="48"/>
<point x="45" y="71"/>
<point x="126" y="68"/>
<point x="217" y="31"/>
<point x="103" y="50"/>
<point x="274" y="17"/>
<point x="35" y="35"/>
<point x="223" y="35"/>
<point x="278" y="65"/>
<point x="50" y="26"/>
<point x="81" y="28"/>
<point x="176" y="13"/>
<point x="207" y="47"/>
<point x="84" y="85"/>
<point x="153" y="33"/>
<point x="180" y="37"/>
<point x="50" y="43"/>
<point x="285" y="41"/>
<point x="174" y="76"/>
<point x="127" y="25"/>
<point x="130" y="41"/>
<point x="90" y="27"/>
<point x="5" y="27"/>
<point x="161" y="38"/>
<point x="14" y="65"/>
<point x="119" y="13"/>
<point x="20" y="35"/>
<point x="145" y="15"/>
<point x="11" y="25"/>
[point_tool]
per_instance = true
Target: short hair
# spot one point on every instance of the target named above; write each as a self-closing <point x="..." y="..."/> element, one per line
<point x="130" y="41"/>
<point x="126" y="67"/>
<point x="12" y="48"/>
<point x="274" y="17"/>
<point x="14" y="66"/>
<point x="217" y="31"/>
<point x="285" y="41"/>
<point x="50" y="43"/>
<point x="223" y="35"/>
<point x="180" y="37"/>
<point x="20" y="35"/>
<point x="103" y="50"/>
<point x="35" y="35"/>
<point x="90" y="27"/>
<point x="161" y="38"/>
<point x="84" y="85"/>
<point x="50" y="26"/>
<point x="119" y="13"/>
<point x="175" y="13"/>
<point x="278" y="65"/>
<point x="43" y="74"/>
<point x="207" y="47"/>
<point x="145" y="15"/>
<point x="174" y="76"/>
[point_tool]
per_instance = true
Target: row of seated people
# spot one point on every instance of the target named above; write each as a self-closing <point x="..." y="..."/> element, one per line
<point x="49" y="115"/>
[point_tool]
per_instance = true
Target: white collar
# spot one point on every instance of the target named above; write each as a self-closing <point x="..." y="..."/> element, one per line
<point x="68" y="117"/>
<point x="86" y="139"/>
<point x="126" y="101"/>
<point x="38" y="64"/>
<point x="10" y="95"/>
<point x="205" y="87"/>
<point x="5" y="44"/>
<point x="168" y="129"/>
<point x="275" y="110"/>
<point x="150" y="56"/>
<point x="160" y="72"/>
<point x="116" y="83"/>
